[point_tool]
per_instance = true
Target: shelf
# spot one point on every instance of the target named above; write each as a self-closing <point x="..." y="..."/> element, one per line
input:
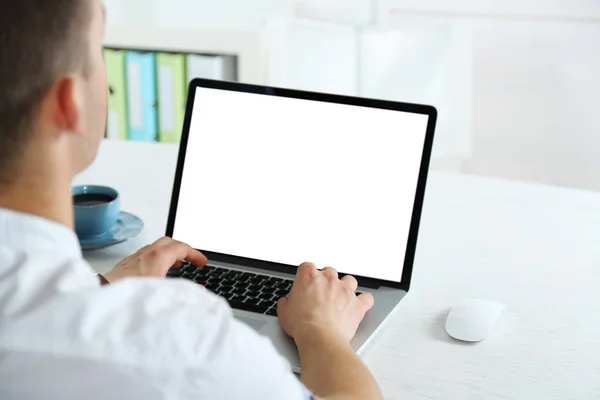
<point x="247" y="45"/>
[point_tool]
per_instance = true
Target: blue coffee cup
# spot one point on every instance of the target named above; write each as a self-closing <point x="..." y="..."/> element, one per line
<point x="96" y="210"/>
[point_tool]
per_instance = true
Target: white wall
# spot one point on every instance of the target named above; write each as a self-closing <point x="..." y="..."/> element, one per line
<point x="354" y="12"/>
<point x="536" y="99"/>
<point x="515" y="81"/>
<point x="196" y="14"/>
<point x="313" y="55"/>
<point x="429" y="64"/>
<point x="524" y="9"/>
<point x="535" y="86"/>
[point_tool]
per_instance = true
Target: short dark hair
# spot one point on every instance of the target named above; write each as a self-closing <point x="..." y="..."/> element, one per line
<point x="40" y="40"/>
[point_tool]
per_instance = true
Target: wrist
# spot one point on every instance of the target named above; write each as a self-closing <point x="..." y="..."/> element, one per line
<point x="111" y="276"/>
<point x="311" y="336"/>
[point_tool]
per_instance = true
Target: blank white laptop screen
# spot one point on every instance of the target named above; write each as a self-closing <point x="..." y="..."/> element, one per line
<point x="291" y="180"/>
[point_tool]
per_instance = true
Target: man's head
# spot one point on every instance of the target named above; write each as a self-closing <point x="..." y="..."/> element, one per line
<point x="53" y="91"/>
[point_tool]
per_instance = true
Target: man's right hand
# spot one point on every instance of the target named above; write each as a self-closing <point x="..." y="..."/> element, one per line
<point x="320" y="302"/>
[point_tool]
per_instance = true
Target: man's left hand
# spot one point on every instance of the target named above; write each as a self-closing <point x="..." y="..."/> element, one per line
<point x="156" y="259"/>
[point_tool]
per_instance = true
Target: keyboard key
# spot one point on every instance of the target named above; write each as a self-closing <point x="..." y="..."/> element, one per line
<point x="251" y="300"/>
<point x="266" y="296"/>
<point x="233" y="274"/>
<point x="253" y="294"/>
<point x="272" y="311"/>
<point x="189" y="268"/>
<point x="174" y="273"/>
<point x="211" y="286"/>
<point x="248" y="274"/>
<point x="257" y="280"/>
<point x="239" y="299"/>
<point x="239" y="291"/>
<point x="247" y="307"/>
<point x="199" y="280"/>
<point x="269" y="303"/>
<point x="186" y="268"/>
<point x="255" y="288"/>
<point x="241" y="283"/>
<point x="226" y="289"/>
<point x="282" y="293"/>
<point x="228" y="296"/>
<point x="228" y="282"/>
<point x="270" y="290"/>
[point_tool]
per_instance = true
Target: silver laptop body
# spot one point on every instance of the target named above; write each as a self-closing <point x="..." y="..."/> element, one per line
<point x="415" y="125"/>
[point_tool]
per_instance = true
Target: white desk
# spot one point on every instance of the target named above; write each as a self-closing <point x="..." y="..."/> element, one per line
<point x="534" y="248"/>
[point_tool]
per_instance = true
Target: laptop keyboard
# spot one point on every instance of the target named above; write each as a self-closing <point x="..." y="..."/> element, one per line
<point x="243" y="290"/>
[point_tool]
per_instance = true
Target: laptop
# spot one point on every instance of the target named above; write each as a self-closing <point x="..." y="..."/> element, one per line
<point x="268" y="178"/>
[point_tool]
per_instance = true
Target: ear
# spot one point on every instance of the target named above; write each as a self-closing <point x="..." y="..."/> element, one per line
<point x="68" y="110"/>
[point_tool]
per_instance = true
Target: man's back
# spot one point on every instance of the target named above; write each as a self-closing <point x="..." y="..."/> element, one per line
<point x="62" y="333"/>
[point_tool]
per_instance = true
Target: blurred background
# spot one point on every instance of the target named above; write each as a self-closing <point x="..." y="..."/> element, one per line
<point x="516" y="82"/>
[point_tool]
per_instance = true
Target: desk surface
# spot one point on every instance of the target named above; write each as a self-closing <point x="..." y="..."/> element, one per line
<point x="534" y="248"/>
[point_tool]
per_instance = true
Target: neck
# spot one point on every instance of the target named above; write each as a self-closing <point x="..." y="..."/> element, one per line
<point x="43" y="193"/>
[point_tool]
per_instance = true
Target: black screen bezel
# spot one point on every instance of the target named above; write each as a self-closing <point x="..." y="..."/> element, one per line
<point x="430" y="111"/>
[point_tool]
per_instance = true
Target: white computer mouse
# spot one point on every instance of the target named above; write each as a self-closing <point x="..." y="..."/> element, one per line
<point x="472" y="320"/>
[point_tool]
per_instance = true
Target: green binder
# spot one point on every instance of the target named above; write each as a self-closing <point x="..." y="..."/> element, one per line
<point x="171" y="78"/>
<point x="117" y="124"/>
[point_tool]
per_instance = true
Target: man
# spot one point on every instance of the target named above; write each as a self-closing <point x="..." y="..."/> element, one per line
<point x="63" y="335"/>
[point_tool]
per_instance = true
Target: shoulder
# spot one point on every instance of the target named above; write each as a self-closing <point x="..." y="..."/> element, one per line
<point x="168" y="328"/>
<point x="147" y="322"/>
<point x="156" y="323"/>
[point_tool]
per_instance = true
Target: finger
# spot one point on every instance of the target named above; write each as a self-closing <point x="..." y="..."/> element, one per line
<point x="329" y="272"/>
<point x="167" y="256"/>
<point x="163" y="241"/>
<point x="306" y="270"/>
<point x="350" y="281"/>
<point x="367" y="301"/>
<point x="194" y="256"/>
<point x="282" y="304"/>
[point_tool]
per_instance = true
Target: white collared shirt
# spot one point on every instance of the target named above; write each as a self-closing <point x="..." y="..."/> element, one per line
<point x="63" y="336"/>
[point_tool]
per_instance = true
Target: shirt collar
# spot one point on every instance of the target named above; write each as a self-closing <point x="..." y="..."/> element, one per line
<point x="20" y="231"/>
